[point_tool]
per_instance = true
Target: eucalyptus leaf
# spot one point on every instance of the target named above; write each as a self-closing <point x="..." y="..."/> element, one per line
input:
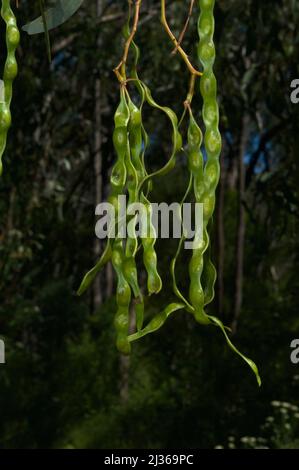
<point x="55" y="16"/>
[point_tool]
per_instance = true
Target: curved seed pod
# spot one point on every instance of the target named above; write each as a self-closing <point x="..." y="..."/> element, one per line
<point x="175" y="288"/>
<point x="209" y="277"/>
<point x="90" y="275"/>
<point x="5" y="122"/>
<point x="120" y="142"/>
<point x="148" y="239"/>
<point x="130" y="273"/>
<point x="136" y="139"/>
<point x="118" y="181"/>
<point x="132" y="182"/>
<point x="209" y="274"/>
<point x="134" y="128"/>
<point x="176" y="137"/>
<point x="157" y="321"/>
<point x="134" y="168"/>
<point x="195" y="164"/>
<point x="123" y="299"/>
<point x="10" y="73"/>
<point x="135" y="143"/>
<point x="134" y="172"/>
<point x="251" y="364"/>
<point x="154" y="282"/>
<point x="212" y="142"/>
<point x="205" y="177"/>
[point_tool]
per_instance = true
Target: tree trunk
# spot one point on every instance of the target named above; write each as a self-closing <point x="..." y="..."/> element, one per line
<point x="97" y="288"/>
<point x="126" y="360"/>
<point x="232" y="172"/>
<point x="11" y="208"/>
<point x="220" y="238"/>
<point x="241" y="225"/>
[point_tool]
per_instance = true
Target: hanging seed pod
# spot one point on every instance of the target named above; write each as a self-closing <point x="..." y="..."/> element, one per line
<point x="9" y="74"/>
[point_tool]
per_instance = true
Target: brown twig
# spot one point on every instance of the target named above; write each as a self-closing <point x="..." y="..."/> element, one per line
<point x="183" y="54"/>
<point x="183" y="32"/>
<point x="120" y="70"/>
<point x="189" y="98"/>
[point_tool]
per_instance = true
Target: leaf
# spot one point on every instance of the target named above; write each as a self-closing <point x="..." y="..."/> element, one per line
<point x="55" y="16"/>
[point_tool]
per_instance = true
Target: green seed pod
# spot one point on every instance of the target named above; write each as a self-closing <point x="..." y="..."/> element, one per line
<point x="118" y="176"/>
<point x="176" y="137"/>
<point x="123" y="299"/>
<point x="118" y="181"/>
<point x="201" y="268"/>
<point x="5" y="117"/>
<point x="120" y="141"/>
<point x="208" y="84"/>
<point x="212" y="138"/>
<point x="212" y="141"/>
<point x="154" y="282"/>
<point x="209" y="277"/>
<point x="9" y="74"/>
<point x="120" y="138"/>
<point x="10" y="69"/>
<point x="135" y="139"/>
<point x="123" y="344"/>
<point x="205" y="177"/>
<point x="157" y="321"/>
<point x="13" y="36"/>
<point x="134" y="168"/>
<point x="130" y="273"/>
<point x="195" y="164"/>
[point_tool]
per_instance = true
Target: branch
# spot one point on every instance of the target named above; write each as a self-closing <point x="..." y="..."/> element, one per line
<point x="191" y="69"/>
<point x="120" y="70"/>
<point x="181" y="36"/>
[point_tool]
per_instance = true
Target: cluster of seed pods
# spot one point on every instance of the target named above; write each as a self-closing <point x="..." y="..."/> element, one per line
<point x="129" y="176"/>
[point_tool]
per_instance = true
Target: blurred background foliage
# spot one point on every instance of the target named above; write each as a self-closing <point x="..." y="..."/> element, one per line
<point x="64" y="383"/>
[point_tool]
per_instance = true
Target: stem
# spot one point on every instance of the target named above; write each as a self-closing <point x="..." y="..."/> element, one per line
<point x="191" y="90"/>
<point x="120" y="70"/>
<point x="98" y="164"/>
<point x="47" y="36"/>
<point x="181" y="36"/>
<point x="183" y="54"/>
